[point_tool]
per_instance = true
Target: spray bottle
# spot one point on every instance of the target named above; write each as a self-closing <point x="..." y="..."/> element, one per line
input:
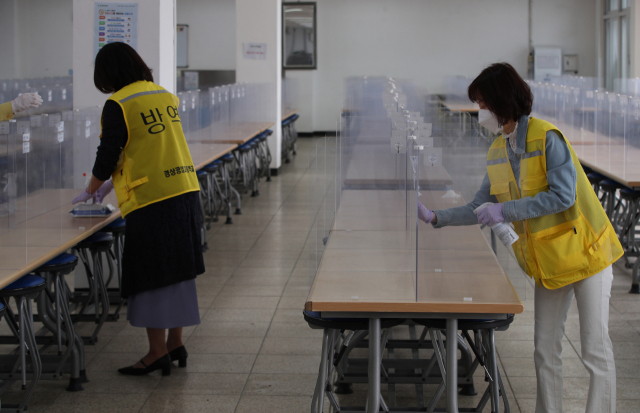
<point x="503" y="230"/>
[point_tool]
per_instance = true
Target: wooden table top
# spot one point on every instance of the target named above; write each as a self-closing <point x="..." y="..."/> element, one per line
<point x="374" y="269"/>
<point x="243" y="133"/>
<point x="611" y="157"/>
<point x="287" y="113"/>
<point x="33" y="235"/>
<point x="205" y="152"/>
<point x="373" y="165"/>
<point x="462" y="106"/>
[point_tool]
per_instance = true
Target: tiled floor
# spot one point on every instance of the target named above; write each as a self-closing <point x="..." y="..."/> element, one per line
<point x="254" y="353"/>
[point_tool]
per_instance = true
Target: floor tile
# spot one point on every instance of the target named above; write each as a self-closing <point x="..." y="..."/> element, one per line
<point x="280" y="384"/>
<point x="182" y="382"/>
<point x="82" y="402"/>
<point x="220" y="363"/>
<point x="223" y="345"/>
<point x="230" y="329"/>
<point x="242" y="302"/>
<point x="196" y="403"/>
<point x="280" y="404"/>
<point x="297" y="346"/>
<point x="286" y="364"/>
<point x="259" y="315"/>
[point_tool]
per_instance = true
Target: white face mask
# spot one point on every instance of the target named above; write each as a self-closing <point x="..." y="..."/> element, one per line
<point x="489" y="121"/>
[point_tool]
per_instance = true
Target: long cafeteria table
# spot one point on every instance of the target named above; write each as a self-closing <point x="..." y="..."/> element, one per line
<point x="288" y="113"/>
<point x="242" y="133"/>
<point x="368" y="270"/>
<point x="39" y="237"/>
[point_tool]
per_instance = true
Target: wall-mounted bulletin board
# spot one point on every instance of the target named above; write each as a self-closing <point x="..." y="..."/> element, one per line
<point x="182" y="45"/>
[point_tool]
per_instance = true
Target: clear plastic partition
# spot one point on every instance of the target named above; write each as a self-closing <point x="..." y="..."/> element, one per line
<point x="602" y="127"/>
<point x="632" y="140"/>
<point x="366" y="231"/>
<point x="13" y="208"/>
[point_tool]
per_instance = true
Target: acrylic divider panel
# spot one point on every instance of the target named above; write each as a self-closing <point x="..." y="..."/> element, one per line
<point x="455" y="167"/>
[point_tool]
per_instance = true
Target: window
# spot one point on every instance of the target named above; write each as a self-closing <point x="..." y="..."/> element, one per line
<point x="616" y="41"/>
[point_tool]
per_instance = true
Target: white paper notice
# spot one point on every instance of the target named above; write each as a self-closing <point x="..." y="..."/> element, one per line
<point x="115" y="22"/>
<point x="255" y="51"/>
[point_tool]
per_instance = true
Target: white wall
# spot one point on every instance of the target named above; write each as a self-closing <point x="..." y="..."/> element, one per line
<point x="37" y="38"/>
<point x="570" y="24"/>
<point x="428" y="40"/>
<point x="258" y="21"/>
<point x="8" y="11"/>
<point x="212" y="32"/>
<point x="156" y="46"/>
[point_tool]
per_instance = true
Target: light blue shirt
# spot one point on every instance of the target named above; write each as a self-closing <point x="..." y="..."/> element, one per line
<point x="561" y="177"/>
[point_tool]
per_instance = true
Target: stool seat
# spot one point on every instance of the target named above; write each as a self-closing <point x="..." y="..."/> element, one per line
<point x="245" y="148"/>
<point x="595" y="177"/>
<point x="118" y="223"/>
<point x="2" y="310"/>
<point x="27" y="284"/>
<point x="99" y="239"/>
<point x="269" y="132"/>
<point x="116" y="227"/>
<point x="465" y="324"/>
<point x="212" y="167"/>
<point x="228" y="158"/>
<point x="628" y="193"/>
<point x="609" y="184"/>
<point x="62" y="262"/>
<point x="201" y="174"/>
<point x="313" y="318"/>
<point x="294" y="117"/>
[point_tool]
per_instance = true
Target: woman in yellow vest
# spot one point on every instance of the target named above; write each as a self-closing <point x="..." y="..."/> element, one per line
<point x="144" y="151"/>
<point x="566" y="242"/>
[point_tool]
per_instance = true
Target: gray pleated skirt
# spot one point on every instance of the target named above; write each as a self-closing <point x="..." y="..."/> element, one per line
<point x="172" y="306"/>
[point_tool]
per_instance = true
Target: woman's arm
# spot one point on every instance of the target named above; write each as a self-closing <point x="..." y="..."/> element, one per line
<point x="112" y="140"/>
<point x="561" y="177"/>
<point x="464" y="215"/>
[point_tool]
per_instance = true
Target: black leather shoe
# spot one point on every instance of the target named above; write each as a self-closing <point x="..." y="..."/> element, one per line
<point x="163" y="363"/>
<point x="179" y="354"/>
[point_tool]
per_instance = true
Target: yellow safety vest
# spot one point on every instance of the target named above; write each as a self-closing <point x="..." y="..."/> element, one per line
<point x="561" y="248"/>
<point x="155" y="164"/>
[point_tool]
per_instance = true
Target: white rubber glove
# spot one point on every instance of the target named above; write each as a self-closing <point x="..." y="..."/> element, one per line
<point x="26" y="101"/>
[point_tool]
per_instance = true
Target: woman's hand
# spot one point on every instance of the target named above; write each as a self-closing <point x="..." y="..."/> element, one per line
<point x="26" y="101"/>
<point x="83" y="197"/>
<point x="491" y="215"/>
<point x="424" y="214"/>
<point x="103" y="191"/>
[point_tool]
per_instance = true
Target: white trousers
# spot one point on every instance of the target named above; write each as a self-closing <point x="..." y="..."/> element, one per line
<point x="551" y="308"/>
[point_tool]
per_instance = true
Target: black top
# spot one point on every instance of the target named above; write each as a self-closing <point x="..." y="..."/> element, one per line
<point x="114" y="138"/>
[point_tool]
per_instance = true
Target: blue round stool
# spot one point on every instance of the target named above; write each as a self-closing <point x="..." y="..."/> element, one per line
<point x="96" y="245"/>
<point x="23" y="291"/>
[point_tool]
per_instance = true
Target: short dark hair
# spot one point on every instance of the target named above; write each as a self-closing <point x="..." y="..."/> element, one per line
<point x="118" y="65"/>
<point x="503" y="92"/>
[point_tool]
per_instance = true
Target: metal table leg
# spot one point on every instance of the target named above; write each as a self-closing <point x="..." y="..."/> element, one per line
<point x="452" y="366"/>
<point x="373" y="403"/>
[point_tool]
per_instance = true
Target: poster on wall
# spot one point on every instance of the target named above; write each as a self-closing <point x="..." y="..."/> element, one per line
<point x="115" y="22"/>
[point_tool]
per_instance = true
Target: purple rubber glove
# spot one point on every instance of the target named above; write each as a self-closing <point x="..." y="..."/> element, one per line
<point x="83" y="197"/>
<point x="491" y="215"/>
<point x="424" y="214"/>
<point x="103" y="191"/>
